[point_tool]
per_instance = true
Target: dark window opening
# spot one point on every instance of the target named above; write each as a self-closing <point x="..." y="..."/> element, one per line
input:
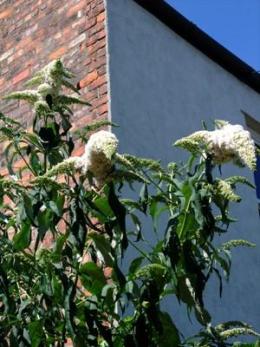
<point x="257" y="180"/>
<point x="257" y="177"/>
<point x="253" y="126"/>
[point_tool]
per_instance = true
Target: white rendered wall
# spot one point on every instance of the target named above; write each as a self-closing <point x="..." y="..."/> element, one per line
<point x="161" y="88"/>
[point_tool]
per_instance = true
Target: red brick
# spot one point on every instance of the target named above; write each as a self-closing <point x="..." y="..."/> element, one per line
<point x="102" y="109"/>
<point x="94" y="48"/>
<point x="101" y="52"/>
<point x="99" y="101"/>
<point x="95" y="29"/>
<point x="24" y="42"/>
<point x="78" y="151"/>
<point x="79" y="24"/>
<point x="101" y="17"/>
<point x="98" y="82"/>
<point x="74" y="9"/>
<point x="7" y="13"/>
<point x="90" y="23"/>
<point x="73" y="30"/>
<point x="92" y="76"/>
<point x="58" y="53"/>
<point x="21" y="76"/>
<point x="103" y="89"/>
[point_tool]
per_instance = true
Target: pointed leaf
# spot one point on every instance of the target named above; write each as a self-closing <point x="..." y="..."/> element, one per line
<point x="23" y="239"/>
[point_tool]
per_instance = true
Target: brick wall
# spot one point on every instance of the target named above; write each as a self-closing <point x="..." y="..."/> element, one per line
<point x="34" y="32"/>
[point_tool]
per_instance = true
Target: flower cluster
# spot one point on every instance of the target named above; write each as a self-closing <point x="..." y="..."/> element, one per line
<point x="49" y="82"/>
<point x="223" y="189"/>
<point x="227" y="142"/>
<point x="98" y="158"/>
<point x="99" y="153"/>
<point x="64" y="167"/>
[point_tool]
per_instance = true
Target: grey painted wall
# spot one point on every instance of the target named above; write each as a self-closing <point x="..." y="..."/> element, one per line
<point x="161" y="88"/>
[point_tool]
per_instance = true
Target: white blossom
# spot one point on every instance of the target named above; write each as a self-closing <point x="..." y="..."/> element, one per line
<point x="41" y="106"/>
<point x="99" y="152"/>
<point x="43" y="208"/>
<point x="65" y="166"/>
<point x="98" y="156"/>
<point x="229" y="142"/>
<point x="232" y="142"/>
<point x="44" y="89"/>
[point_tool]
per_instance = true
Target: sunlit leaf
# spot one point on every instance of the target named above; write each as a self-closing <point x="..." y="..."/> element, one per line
<point x="23" y="238"/>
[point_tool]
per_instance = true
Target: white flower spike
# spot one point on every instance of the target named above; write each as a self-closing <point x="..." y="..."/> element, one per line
<point x="228" y="142"/>
<point x="98" y="157"/>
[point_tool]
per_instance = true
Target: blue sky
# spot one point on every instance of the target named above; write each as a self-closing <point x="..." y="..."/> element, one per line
<point x="233" y="23"/>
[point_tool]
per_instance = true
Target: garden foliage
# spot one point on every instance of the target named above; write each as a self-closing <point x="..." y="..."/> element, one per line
<point x="82" y="288"/>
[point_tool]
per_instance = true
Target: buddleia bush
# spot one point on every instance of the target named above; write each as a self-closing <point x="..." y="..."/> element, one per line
<point x="66" y="223"/>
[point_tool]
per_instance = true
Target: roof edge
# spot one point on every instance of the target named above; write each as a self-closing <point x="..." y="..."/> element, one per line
<point x="202" y="41"/>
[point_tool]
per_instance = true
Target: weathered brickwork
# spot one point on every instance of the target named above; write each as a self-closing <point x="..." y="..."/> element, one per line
<point x="34" y="32"/>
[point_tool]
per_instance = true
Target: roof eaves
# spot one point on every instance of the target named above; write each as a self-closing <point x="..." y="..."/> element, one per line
<point x="203" y="42"/>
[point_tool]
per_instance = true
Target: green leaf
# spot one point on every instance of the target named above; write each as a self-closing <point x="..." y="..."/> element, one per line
<point x="138" y="226"/>
<point x="69" y="85"/>
<point x="120" y="213"/>
<point x="9" y="121"/>
<point x="144" y="197"/>
<point x="36" y="333"/>
<point x="170" y="336"/>
<point x="28" y="207"/>
<point x="59" y="244"/>
<point x="186" y="191"/>
<point x="135" y="265"/>
<point x="71" y="100"/>
<point x="23" y="238"/>
<point x="60" y="200"/>
<point x="57" y="289"/>
<point x="154" y="212"/>
<point x="54" y="156"/>
<point x="44" y="220"/>
<point x="34" y="140"/>
<point x="70" y="309"/>
<point x="92" y="277"/>
<point x="103" y="245"/>
<point x="46" y="286"/>
<point x="183" y="292"/>
<point x="108" y="294"/>
<point x="27" y="95"/>
<point x="83" y="133"/>
<point x="53" y="206"/>
<point x="187" y="225"/>
<point x="35" y="163"/>
<point x="102" y="205"/>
